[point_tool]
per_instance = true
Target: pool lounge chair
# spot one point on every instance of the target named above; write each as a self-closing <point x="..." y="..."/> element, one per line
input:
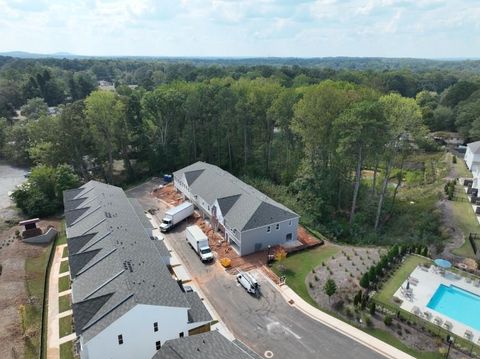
<point x="427" y="314"/>
<point x="438" y="321"/>
<point x="413" y="281"/>
<point x="416" y="310"/>
<point x="448" y="325"/>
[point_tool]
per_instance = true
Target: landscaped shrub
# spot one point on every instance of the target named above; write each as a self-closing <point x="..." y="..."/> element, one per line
<point x="388" y="320"/>
<point x="454" y="159"/>
<point x="372" y="308"/>
<point x="368" y="321"/>
<point x="310" y="284"/>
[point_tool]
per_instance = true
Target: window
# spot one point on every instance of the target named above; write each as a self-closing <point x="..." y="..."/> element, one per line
<point x="155" y="327"/>
<point x="120" y="339"/>
<point x="268" y="229"/>
<point x="289" y="237"/>
<point x="158" y="345"/>
<point x="181" y="335"/>
<point x="290" y="222"/>
<point x="277" y="226"/>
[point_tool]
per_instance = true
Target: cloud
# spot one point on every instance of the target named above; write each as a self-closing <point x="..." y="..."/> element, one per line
<point x="419" y="28"/>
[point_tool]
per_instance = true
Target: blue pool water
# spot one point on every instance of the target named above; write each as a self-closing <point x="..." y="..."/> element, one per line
<point x="458" y="304"/>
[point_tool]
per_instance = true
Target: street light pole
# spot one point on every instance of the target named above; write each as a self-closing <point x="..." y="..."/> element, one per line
<point x="450" y="340"/>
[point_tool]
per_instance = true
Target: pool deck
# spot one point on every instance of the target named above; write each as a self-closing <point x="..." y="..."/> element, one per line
<point x="424" y="282"/>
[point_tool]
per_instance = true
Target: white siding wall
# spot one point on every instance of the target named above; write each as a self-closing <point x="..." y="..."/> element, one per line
<point x="228" y="230"/>
<point x="472" y="160"/>
<point x="468" y="157"/>
<point x="136" y="327"/>
<point x="260" y="238"/>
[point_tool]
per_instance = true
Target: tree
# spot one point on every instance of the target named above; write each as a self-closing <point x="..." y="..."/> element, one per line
<point x="365" y="280"/>
<point x="330" y="288"/>
<point x="42" y="194"/>
<point x="404" y="126"/>
<point x="106" y="117"/>
<point x="360" y="130"/>
<point x="34" y="108"/>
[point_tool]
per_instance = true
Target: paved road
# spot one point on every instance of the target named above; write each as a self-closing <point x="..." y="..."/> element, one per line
<point x="266" y="323"/>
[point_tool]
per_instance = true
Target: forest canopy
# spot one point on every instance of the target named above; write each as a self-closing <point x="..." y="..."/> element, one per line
<point x="306" y="135"/>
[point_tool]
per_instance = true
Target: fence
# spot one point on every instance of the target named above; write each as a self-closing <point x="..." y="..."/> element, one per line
<point x="472" y="237"/>
<point x="43" y="326"/>
<point x="460" y="344"/>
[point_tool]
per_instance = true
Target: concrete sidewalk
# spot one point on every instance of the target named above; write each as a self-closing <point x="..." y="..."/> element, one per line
<point x="53" y="331"/>
<point x="346" y="329"/>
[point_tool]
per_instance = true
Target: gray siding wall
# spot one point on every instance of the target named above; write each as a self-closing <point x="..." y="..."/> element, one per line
<point x="259" y="239"/>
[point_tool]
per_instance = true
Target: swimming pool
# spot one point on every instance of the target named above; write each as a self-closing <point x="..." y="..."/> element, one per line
<point x="458" y="304"/>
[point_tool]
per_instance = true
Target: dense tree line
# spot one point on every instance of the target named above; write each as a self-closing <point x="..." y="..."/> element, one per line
<point x="309" y="133"/>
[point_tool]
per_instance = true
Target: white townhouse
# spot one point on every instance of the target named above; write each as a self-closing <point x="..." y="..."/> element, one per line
<point x="125" y="302"/>
<point x="472" y="156"/>
<point x="249" y="220"/>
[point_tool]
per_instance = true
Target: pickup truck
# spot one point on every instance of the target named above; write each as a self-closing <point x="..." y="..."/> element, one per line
<point x="248" y="282"/>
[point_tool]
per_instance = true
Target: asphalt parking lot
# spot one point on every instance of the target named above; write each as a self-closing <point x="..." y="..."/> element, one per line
<point x="266" y="323"/>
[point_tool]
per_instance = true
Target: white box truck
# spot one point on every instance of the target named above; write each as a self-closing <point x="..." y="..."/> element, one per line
<point x="199" y="242"/>
<point x="175" y="215"/>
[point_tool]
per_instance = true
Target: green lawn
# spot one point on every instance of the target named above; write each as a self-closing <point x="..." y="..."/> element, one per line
<point x="461" y="168"/>
<point x="65" y="252"/>
<point x="63" y="283"/>
<point x="62" y="236"/>
<point x="66" y="350"/>
<point x="64" y="267"/>
<point x="391" y="286"/>
<point x="298" y="265"/>
<point x="466" y="220"/>
<point x="65" y="324"/>
<point x="35" y="268"/>
<point x="64" y="303"/>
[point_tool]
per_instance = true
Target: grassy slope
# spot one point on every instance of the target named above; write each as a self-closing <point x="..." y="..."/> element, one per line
<point x="463" y="215"/>
<point x="461" y="168"/>
<point x="35" y="269"/>
<point x="298" y="265"/>
<point x="391" y="286"/>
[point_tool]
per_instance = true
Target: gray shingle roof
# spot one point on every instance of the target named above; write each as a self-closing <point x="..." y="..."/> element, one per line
<point x="246" y="208"/>
<point x="474" y="147"/>
<point x="112" y="256"/>
<point x="197" y="312"/>
<point x="210" y="345"/>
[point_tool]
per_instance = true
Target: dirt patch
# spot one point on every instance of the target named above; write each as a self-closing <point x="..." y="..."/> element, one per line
<point x="13" y="255"/>
<point x="168" y="194"/>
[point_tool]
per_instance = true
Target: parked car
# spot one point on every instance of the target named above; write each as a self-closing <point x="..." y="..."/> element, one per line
<point x="248" y="282"/>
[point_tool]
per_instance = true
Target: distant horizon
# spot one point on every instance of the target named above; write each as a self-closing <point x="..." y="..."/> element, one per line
<point x="240" y="57"/>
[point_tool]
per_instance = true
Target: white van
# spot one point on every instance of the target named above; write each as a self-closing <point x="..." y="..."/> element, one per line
<point x="248" y="282"/>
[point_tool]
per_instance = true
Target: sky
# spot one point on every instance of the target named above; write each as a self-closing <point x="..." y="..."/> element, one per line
<point x="243" y="28"/>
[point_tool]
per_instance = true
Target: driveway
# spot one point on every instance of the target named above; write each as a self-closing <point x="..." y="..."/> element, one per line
<point x="264" y="324"/>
